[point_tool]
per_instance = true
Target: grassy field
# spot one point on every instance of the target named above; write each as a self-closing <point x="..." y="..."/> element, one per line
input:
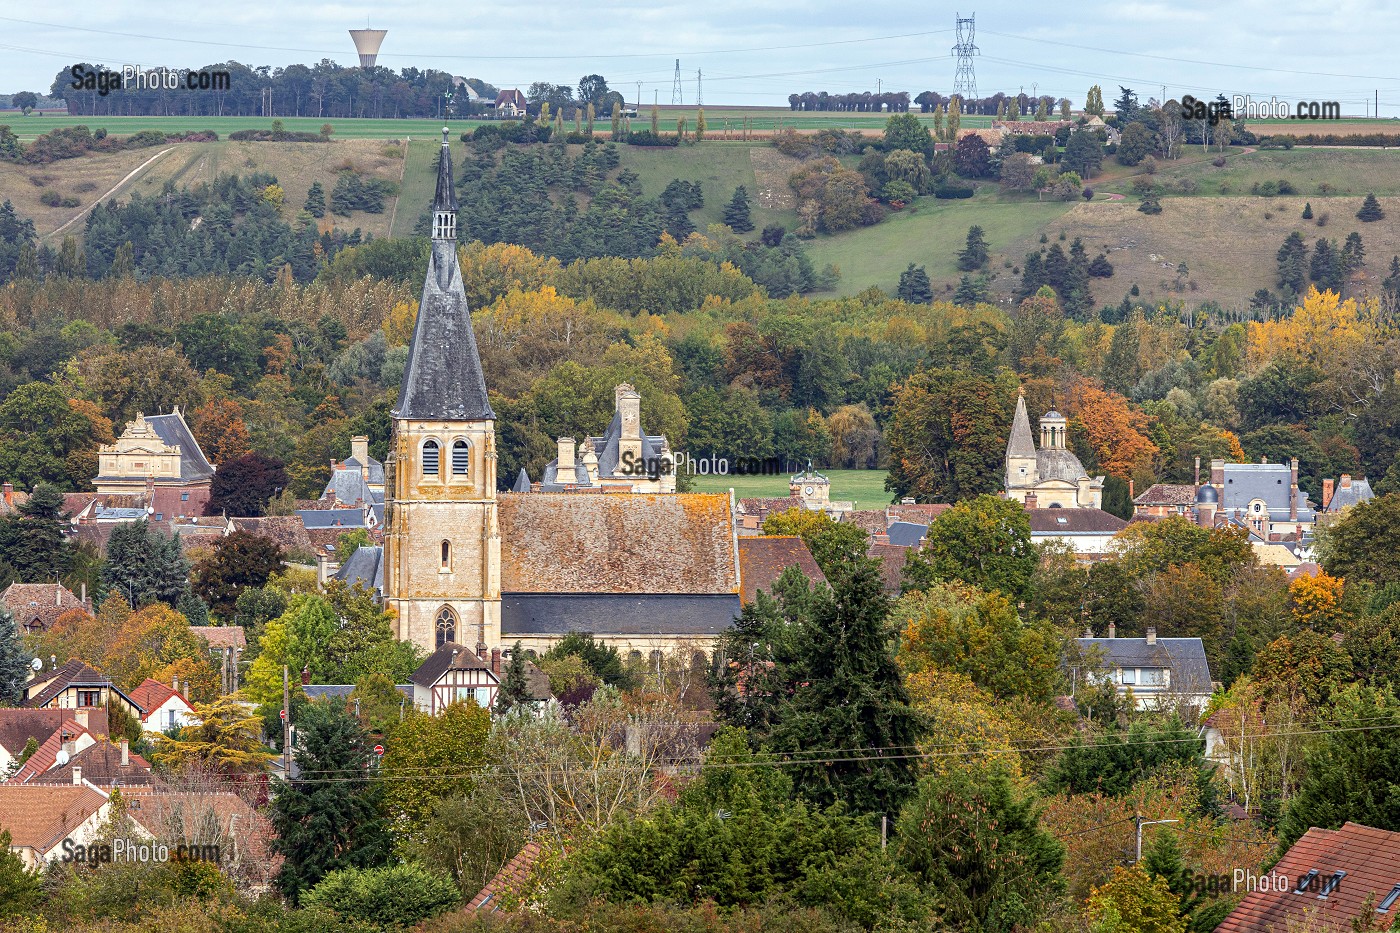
<point x="719" y="167"/>
<point x="866" y="488"/>
<point x="1348" y="171"/>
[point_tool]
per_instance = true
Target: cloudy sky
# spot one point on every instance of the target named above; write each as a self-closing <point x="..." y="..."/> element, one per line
<point x="757" y="51"/>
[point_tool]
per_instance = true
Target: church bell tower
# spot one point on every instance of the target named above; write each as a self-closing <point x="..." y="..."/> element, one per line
<point x="442" y="549"/>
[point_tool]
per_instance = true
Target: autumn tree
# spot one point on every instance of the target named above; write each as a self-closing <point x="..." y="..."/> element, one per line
<point x="154" y="381"/>
<point x="1365" y="543"/>
<point x="157" y="642"/>
<point x="947" y="437"/>
<point x="46" y="437"/>
<point x="1317" y="601"/>
<point x="985" y="542"/>
<point x="1116" y="434"/>
<point x="832" y="543"/>
<point x="450" y="745"/>
<point x="218" y="427"/>
<point x="243" y="486"/>
<point x="1133" y="901"/>
<point x="225" y="739"/>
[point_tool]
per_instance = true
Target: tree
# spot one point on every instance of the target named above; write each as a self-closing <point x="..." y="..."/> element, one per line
<point x="242" y="487"/>
<point x="850" y="695"/>
<point x="1370" y="210"/>
<point x="1365" y="543"/>
<point x="515" y="690"/>
<point x="1307" y="211"/>
<point x="914" y="286"/>
<point x="14" y="669"/>
<point x="219" y="428"/>
<point x="31" y="540"/>
<point x="972" y="158"/>
<point x="974" y="255"/>
<point x="225" y="739"/>
<point x="1018" y="172"/>
<point x="25" y="101"/>
<point x="832" y="544"/>
<point x="237" y="562"/>
<point x="601" y="660"/>
<point x="947" y="437"/>
<point x="906" y="131"/>
<point x="46" y="437"/>
<point x="1135" y="144"/>
<point x="971" y="291"/>
<point x="1083" y="153"/>
<point x="390" y="897"/>
<point x="1093" y="101"/>
<point x="736" y="212"/>
<point x="156" y="642"/>
<point x="315" y="203"/>
<point x="1293" y="263"/>
<point x="145" y="566"/>
<point x="1150" y="205"/>
<point x="592" y="89"/>
<point x="1113" y="762"/>
<point x="974" y="839"/>
<point x="21" y="890"/>
<point x="1134" y="902"/>
<point x="328" y="818"/>
<point x="1126" y="106"/>
<point x="985" y="542"/>
<point x="451" y="746"/>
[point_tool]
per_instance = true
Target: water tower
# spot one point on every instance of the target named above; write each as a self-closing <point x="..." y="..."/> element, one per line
<point x="367" y="42"/>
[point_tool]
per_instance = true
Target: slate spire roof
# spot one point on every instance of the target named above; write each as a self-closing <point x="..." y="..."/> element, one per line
<point x="1021" y="443"/>
<point x="443" y="380"/>
<point x="522" y="482"/>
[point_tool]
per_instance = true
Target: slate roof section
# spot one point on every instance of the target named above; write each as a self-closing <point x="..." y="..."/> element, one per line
<point x="1059" y="463"/>
<point x="1074" y="522"/>
<point x="636" y="543"/>
<point x="1354" y="493"/>
<point x="925" y="513"/>
<point x="40" y="817"/>
<point x="365" y="567"/>
<point x="443" y="380"/>
<point x="1167" y="494"/>
<point x="1268" y="481"/>
<point x="348" y="486"/>
<point x="892" y="558"/>
<point x="662" y="615"/>
<point x="906" y="534"/>
<point x="1021" y="443"/>
<point x="1184" y="657"/>
<point x="508" y="881"/>
<point x="522" y="482"/>
<point x="375" y="469"/>
<point x="763" y="559"/>
<point x="450" y="657"/>
<point x="318" y="519"/>
<point x="172" y="430"/>
<point x="343" y="691"/>
<point x="1371" y="859"/>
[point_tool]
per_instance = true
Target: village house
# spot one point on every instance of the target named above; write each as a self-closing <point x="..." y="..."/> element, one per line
<point x="165" y="706"/>
<point x="37" y="606"/>
<point x="41" y="818"/>
<point x="1087" y="532"/>
<point x="20" y="725"/>
<point x="74" y="685"/>
<point x="1155" y="672"/>
<point x="100" y="763"/>
<point x="510" y="104"/>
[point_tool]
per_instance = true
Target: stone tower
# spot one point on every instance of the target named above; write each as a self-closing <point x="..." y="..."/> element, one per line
<point x="442" y="550"/>
<point x="1021" y="466"/>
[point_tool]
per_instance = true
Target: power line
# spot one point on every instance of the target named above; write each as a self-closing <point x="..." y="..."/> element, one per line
<point x="965" y="78"/>
<point x="676" y="86"/>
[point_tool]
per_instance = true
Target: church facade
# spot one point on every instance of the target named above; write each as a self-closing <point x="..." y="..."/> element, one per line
<point x="637" y="565"/>
<point x="1051" y="476"/>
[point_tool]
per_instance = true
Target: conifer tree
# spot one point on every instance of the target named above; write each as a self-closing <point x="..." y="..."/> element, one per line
<point x="1307" y="211"/>
<point x="1353" y="253"/>
<point x="32" y="541"/>
<point x="970" y="291"/>
<point x="616" y="122"/>
<point x="145" y="566"/>
<point x="914" y="286"/>
<point x="1370" y="209"/>
<point x="736" y="212"/>
<point x="700" y="125"/>
<point x="315" y="200"/>
<point x="514" y="688"/>
<point x="14" y="661"/>
<point x="1293" y="263"/>
<point x="974" y="255"/>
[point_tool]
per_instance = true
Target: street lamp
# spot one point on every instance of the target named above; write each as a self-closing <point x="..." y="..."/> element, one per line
<point x="1140" y="824"/>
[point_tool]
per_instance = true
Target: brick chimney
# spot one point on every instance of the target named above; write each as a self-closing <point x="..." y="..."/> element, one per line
<point x="1217" y="476"/>
<point x="1152" y="634"/>
<point x="305" y="676"/>
<point x="1112" y="630"/>
<point x="1327" y="492"/>
<point x="9" y="493"/>
<point x="1293" y="490"/>
<point x="126" y="753"/>
<point x="1198" y="471"/>
<point x="496" y="661"/>
<point x="1132" y="490"/>
<point x="1346" y="480"/>
<point x="1032" y="501"/>
<point x="565" y="473"/>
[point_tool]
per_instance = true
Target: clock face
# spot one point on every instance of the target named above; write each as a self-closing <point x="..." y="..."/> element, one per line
<point x="806" y="490"/>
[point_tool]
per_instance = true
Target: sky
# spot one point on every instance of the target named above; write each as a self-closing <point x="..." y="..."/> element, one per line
<point x="756" y="52"/>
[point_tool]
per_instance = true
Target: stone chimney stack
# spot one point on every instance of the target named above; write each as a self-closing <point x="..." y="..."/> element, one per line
<point x="590" y="460"/>
<point x="9" y="493"/>
<point x="1198" y="471"/>
<point x="80" y="716"/>
<point x="1112" y="630"/>
<point x="359" y="449"/>
<point x="629" y="409"/>
<point x="77" y="776"/>
<point x="126" y="753"/>
<point x="1032" y="501"/>
<point x="305" y="676"/>
<point x="1152" y="634"/>
<point x="1293" y="490"/>
<point x="566" y="475"/>
<point x="496" y="661"/>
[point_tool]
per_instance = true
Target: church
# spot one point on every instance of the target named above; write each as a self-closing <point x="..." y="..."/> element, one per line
<point x="1051" y="477"/>
<point x="588" y="549"/>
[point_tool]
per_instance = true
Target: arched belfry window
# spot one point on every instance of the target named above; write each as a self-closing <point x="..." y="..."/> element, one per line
<point x="447" y="555"/>
<point x="431" y="453"/>
<point x="461" y="458"/>
<point x="446" y="626"/>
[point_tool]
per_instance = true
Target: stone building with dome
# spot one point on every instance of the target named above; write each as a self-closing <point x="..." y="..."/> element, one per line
<point x="1050" y="477"/>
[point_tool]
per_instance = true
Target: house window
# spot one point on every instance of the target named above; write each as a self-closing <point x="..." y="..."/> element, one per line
<point x="446" y="555"/>
<point x="483" y="697"/>
<point x="446" y="626"/>
<point x="1152" y="677"/>
<point x="430" y="458"/>
<point x="1306" y="882"/>
<point x="461" y="458"/>
<point x="138" y="465"/>
<point x="1129" y="675"/>
<point x="1332" y="883"/>
<point x="184" y="497"/>
<point x="89" y="698"/>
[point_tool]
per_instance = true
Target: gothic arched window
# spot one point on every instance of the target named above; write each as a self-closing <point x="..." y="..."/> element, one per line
<point x="431" y="453"/>
<point x="446" y="626"/>
<point x="461" y="458"/>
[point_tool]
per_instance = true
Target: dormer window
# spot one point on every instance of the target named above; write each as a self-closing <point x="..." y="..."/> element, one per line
<point x="444" y="225"/>
<point x="461" y="458"/>
<point x="431" y="454"/>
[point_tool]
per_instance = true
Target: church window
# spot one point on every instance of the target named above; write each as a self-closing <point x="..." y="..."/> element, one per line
<point x="446" y="626"/>
<point x="461" y="458"/>
<point x="430" y="458"/>
<point x="447" y="555"/>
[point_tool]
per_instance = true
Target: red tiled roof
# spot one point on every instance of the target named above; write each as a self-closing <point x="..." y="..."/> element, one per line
<point x="46" y="755"/>
<point x="764" y="507"/>
<point x="1371" y="859"/>
<point x="763" y="559"/>
<point x="18" y="726"/>
<point x="508" y="880"/>
<point x="38" y="605"/>
<point x="221" y="636"/>
<point x="152" y="693"/>
<point x="892" y="558"/>
<point x="101" y="764"/>
<point x="41" y="817"/>
<point x="921" y="513"/>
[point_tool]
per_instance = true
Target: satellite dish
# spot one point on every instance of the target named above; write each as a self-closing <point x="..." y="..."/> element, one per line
<point x="37" y="664"/>
<point x="150" y="510"/>
<point x="61" y="759"/>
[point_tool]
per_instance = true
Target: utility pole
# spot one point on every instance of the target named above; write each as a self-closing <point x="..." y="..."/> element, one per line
<point x="1140" y="824"/>
<point x="699" y="88"/>
<point x="965" y="79"/>
<point x="287" y="727"/>
<point x="676" y="85"/>
<point x="639" y="95"/>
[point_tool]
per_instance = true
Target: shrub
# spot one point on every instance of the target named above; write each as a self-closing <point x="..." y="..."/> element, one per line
<point x="69" y="202"/>
<point x="648" y="138"/>
<point x="1218" y="161"/>
<point x="1186" y="185"/>
<point x="1150" y="205"/>
<point x="1143" y="184"/>
<point x="950" y="191"/>
<point x="1323" y="218"/>
<point x="1087" y="194"/>
<point x="50" y="199"/>
<point x="898" y="192"/>
<point x="389" y="897"/>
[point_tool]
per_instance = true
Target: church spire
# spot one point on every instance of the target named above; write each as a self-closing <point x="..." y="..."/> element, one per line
<point x="443" y="380"/>
<point x="1022" y="442"/>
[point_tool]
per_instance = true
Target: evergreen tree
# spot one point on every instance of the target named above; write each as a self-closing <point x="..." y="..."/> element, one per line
<point x="850" y="694"/>
<point x="914" y="286"/>
<point x="1293" y="263"/>
<point x="1325" y="269"/>
<point x="32" y="542"/>
<point x="1162" y="859"/>
<point x="21" y="890"/>
<point x="145" y="566"/>
<point x="971" y="291"/>
<point x="1307" y="211"/>
<point x="514" y="688"/>
<point x="1370" y="209"/>
<point x="1150" y="205"/>
<point x="14" y="662"/>
<point x="974" y="255"/>
<point x="1391" y="285"/>
<point x="315" y="200"/>
<point x="736" y="213"/>
<point x="1353" y="254"/>
<point x="328" y="818"/>
<point x="194" y="609"/>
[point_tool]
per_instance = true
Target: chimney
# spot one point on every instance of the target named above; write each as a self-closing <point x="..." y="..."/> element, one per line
<point x="305" y="676"/>
<point x="1217" y="475"/>
<point x="67" y="747"/>
<point x="84" y="597"/>
<point x="185" y="689"/>
<point x="80" y="716"/>
<point x="359" y="449"/>
<point x="1032" y="501"/>
<point x="9" y="493"/>
<point x="77" y="776"/>
<point x="564" y="474"/>
<point x="175" y="684"/>
<point x="1198" y="471"/>
<point x="1293" y="490"/>
<point x="1112" y="630"/>
<point x="1346" y="480"/>
<point x="481" y="651"/>
<point x="496" y="661"/>
<point x="907" y="500"/>
<point x="1152" y="634"/>
<point x="590" y="461"/>
<point x="629" y="410"/>
<point x="1132" y="494"/>
<point x="1327" y="491"/>
<point x="126" y="753"/>
<point x="58" y="596"/>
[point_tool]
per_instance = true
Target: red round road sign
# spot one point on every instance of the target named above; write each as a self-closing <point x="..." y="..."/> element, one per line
<point x="379" y="749"/>
<point x="283" y="714"/>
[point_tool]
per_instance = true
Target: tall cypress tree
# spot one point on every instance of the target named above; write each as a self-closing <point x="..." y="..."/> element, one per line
<point x="514" y="688"/>
<point x="14" y="661"/>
